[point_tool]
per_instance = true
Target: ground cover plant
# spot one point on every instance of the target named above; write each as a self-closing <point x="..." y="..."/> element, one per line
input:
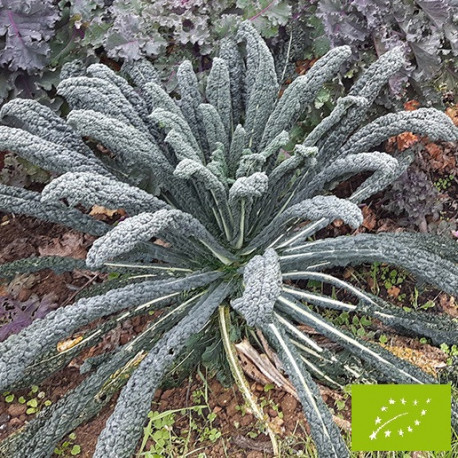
<point x="217" y="218"/>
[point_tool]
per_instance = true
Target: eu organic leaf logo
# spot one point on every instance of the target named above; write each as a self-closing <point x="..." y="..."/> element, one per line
<point x="401" y="417"/>
<point x="387" y="417"/>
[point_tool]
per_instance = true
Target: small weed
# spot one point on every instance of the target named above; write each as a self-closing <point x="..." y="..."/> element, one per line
<point x="271" y="404"/>
<point x="450" y="351"/>
<point x="442" y="184"/>
<point x="68" y="448"/>
<point x="357" y="325"/>
<point x="415" y="304"/>
<point x="35" y="400"/>
<point x="241" y="409"/>
<point x="162" y="436"/>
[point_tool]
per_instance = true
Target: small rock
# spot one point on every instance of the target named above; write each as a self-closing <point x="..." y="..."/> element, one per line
<point x="272" y="413"/>
<point x="4" y="417"/>
<point x="136" y="321"/>
<point x="215" y="387"/>
<point x="124" y="338"/>
<point x="246" y="420"/>
<point x="166" y="394"/>
<point x="14" y="422"/>
<point x="232" y="407"/>
<point x="255" y="454"/>
<point x="16" y="410"/>
<point x="288" y="404"/>
<point x="163" y="404"/>
<point x="224" y="398"/>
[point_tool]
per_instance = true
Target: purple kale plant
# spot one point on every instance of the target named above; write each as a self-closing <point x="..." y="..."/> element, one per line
<point x="414" y="197"/>
<point x="427" y="29"/>
<point x="16" y="315"/>
<point x="36" y="38"/>
<point x="26" y="28"/>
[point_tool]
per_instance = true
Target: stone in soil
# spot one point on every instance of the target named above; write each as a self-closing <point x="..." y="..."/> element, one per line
<point x="224" y="398"/>
<point x="288" y="404"/>
<point x="15" y="422"/>
<point x="16" y="410"/>
<point x="4" y="417"/>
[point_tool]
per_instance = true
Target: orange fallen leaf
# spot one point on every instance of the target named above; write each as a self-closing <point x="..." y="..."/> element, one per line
<point x="163" y="243"/>
<point x="440" y="160"/>
<point x="69" y="343"/>
<point x="411" y="105"/>
<point x="370" y="220"/>
<point x="433" y="150"/>
<point x="302" y="66"/>
<point x="452" y="113"/>
<point x="406" y="140"/>
<point x="394" y="291"/>
<point x="99" y="210"/>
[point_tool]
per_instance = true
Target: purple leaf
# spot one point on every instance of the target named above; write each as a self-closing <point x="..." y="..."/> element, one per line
<point x="18" y="315"/>
<point x="27" y="26"/>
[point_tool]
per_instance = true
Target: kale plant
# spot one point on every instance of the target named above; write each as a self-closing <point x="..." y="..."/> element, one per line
<point x="130" y="30"/>
<point x="215" y="220"/>
<point x="25" y="31"/>
<point x="37" y="37"/>
<point x="427" y="29"/>
<point x="414" y="196"/>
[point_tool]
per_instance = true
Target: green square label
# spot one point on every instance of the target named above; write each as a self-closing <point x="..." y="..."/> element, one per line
<point x="401" y="417"/>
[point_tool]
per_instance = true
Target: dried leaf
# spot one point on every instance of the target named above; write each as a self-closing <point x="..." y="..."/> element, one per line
<point x="449" y="305"/>
<point x="452" y="113"/>
<point x="370" y="220"/>
<point x="411" y="105"/>
<point x="348" y="272"/>
<point x="70" y="244"/>
<point x="65" y="345"/>
<point x="338" y="223"/>
<point x="394" y="291"/>
<point x="261" y="363"/>
<point x="302" y="66"/>
<point x="438" y="159"/>
<point x="99" y="210"/>
<point x="406" y="140"/>
<point x="418" y="357"/>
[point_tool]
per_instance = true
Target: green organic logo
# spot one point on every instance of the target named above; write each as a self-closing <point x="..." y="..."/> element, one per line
<point x="401" y="417"/>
